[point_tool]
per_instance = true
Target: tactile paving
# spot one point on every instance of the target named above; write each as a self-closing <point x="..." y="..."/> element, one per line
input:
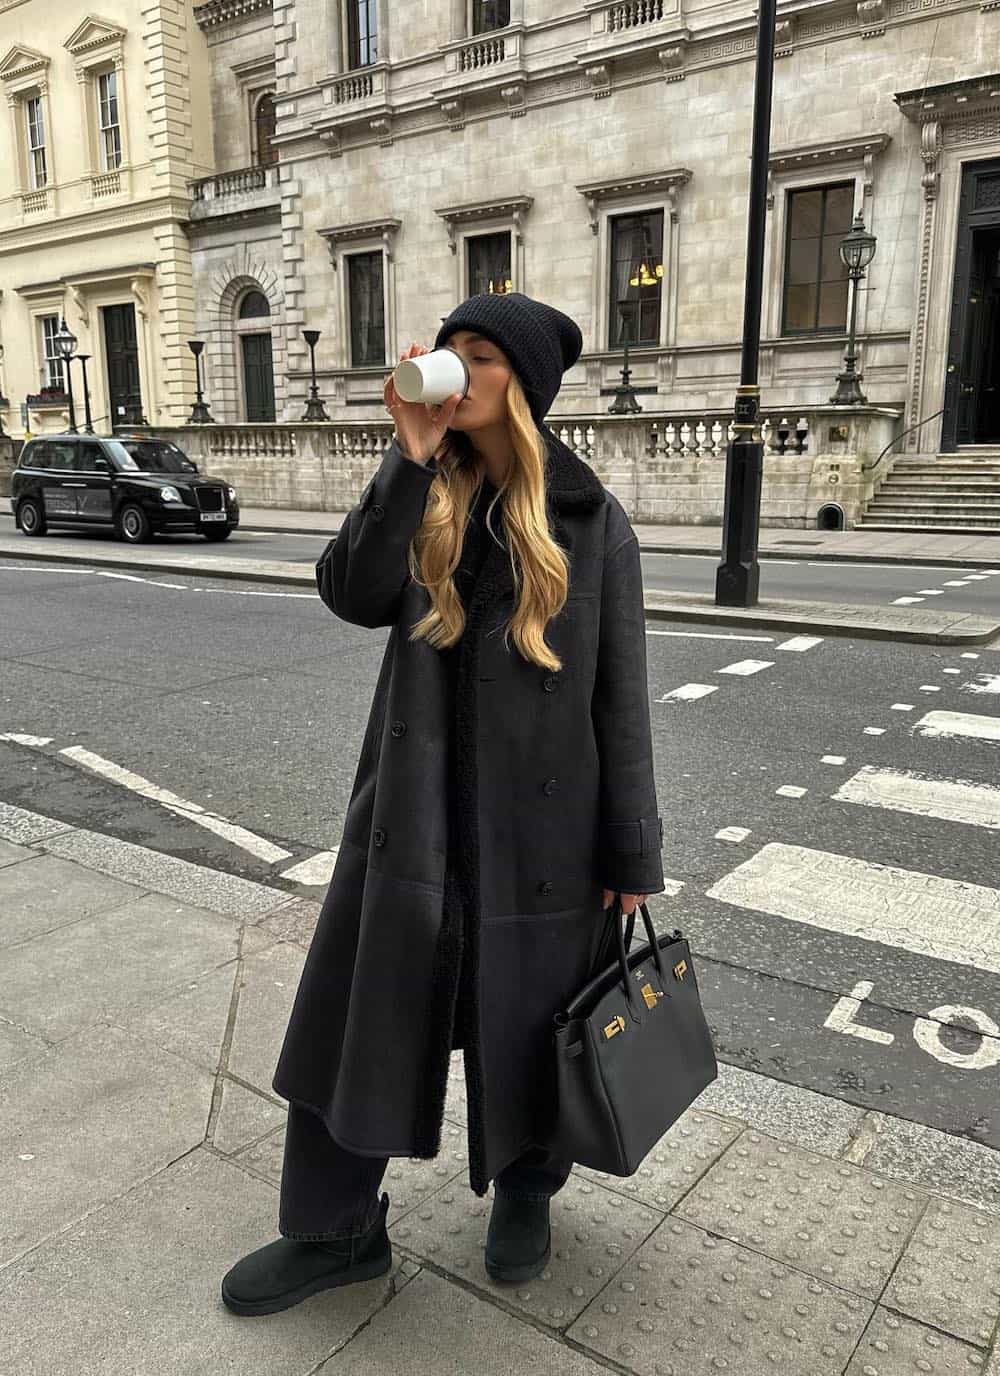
<point x="682" y="1155"/>
<point x="594" y="1231"/>
<point x="409" y="1180"/>
<point x="688" y="1304"/>
<point x="949" y="1275"/>
<point x="894" y="1346"/>
<point x="838" y="1222"/>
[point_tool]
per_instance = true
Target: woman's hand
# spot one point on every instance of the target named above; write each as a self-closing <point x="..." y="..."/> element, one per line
<point x="630" y="901"/>
<point x="420" y="427"/>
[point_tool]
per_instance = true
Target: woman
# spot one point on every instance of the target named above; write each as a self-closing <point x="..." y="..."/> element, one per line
<point x="503" y="795"/>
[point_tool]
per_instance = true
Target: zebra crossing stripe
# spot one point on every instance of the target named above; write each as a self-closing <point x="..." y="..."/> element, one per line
<point x="927" y="914"/>
<point x="745" y="667"/>
<point x="959" y="724"/>
<point x="904" y="790"/>
<point x="983" y="683"/>
<point x="800" y="643"/>
<point x="688" y="692"/>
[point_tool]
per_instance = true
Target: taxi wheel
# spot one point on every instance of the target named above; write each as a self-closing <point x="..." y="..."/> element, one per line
<point x="31" y="518"/>
<point x="218" y="534"/>
<point x="132" y="525"/>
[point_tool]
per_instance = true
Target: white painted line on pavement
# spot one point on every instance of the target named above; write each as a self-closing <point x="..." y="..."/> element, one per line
<point x="903" y="909"/>
<point x="904" y="790"/>
<point x="672" y="887"/>
<point x="239" y="836"/>
<point x="745" y="667"/>
<point x="988" y="683"/>
<point x="845" y="1011"/>
<point x="874" y="730"/>
<point x="976" y="577"/>
<point x="931" y="592"/>
<point x="790" y="791"/>
<point x="315" y="869"/>
<point x="689" y="692"/>
<point x="951" y="671"/>
<point x="800" y="643"/>
<point x="959" y="724"/>
<point x="18" y="739"/>
<point x="901" y="707"/>
<point x="711" y="635"/>
<point x="253" y="592"/>
<point x="930" y="688"/>
<point x="956" y="582"/>
<point x="834" y="759"/>
<point x="968" y="654"/>
<point x="905" y="601"/>
<point x="733" y="834"/>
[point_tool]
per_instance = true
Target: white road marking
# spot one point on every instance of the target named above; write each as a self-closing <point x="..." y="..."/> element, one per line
<point x="930" y="688"/>
<point x="712" y="635"/>
<point x="931" y="592"/>
<point x="845" y="1010"/>
<point x="688" y="692"/>
<point x="959" y="724"/>
<point x="672" y="887"/>
<point x="251" y="592"/>
<point x="901" y="707"/>
<point x="745" y="667"/>
<point x="956" y="583"/>
<point x="800" y="643"/>
<point x="945" y="919"/>
<point x="315" y="869"/>
<point x="904" y="790"/>
<point x="988" y="683"/>
<point x="18" y="739"/>
<point x="874" y="730"/>
<point x="905" y="601"/>
<point x="968" y="654"/>
<point x="239" y="836"/>
<point x="790" y="791"/>
<point x="951" y="671"/>
<point x="927" y="1035"/>
<point x="733" y="834"/>
<point x="976" y="577"/>
<point x="833" y="759"/>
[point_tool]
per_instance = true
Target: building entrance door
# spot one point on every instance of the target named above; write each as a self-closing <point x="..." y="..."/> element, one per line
<point x="122" y="352"/>
<point x="972" y="383"/>
<point x="258" y="376"/>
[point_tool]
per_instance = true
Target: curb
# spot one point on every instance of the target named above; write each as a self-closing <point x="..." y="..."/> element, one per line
<point x="855" y="621"/>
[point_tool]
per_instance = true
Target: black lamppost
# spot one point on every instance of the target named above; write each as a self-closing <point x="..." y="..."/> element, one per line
<point x="857" y="249"/>
<point x="66" y="344"/>
<point x="625" y="402"/>
<point x="737" y="578"/>
<point x="88" y="424"/>
<point x="315" y="410"/>
<point x="200" y="414"/>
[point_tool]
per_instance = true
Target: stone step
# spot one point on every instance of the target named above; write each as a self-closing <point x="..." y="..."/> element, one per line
<point x="931" y="503"/>
<point x="908" y="528"/>
<point x="929" y="492"/>
<point x="971" y="480"/>
<point x="945" y="524"/>
<point x="940" y="469"/>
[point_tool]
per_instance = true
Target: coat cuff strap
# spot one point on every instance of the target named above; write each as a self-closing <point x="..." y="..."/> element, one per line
<point x="643" y="836"/>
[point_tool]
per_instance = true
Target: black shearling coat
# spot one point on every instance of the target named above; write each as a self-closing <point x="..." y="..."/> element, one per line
<point x="477" y="841"/>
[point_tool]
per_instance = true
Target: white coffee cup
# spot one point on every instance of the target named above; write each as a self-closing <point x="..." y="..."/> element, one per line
<point x="431" y="377"/>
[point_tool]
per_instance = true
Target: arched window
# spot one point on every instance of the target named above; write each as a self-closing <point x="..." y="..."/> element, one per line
<point x="265" y="120"/>
<point x="254" y="305"/>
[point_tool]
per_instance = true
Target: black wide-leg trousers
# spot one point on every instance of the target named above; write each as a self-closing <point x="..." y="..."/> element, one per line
<point x="328" y="1192"/>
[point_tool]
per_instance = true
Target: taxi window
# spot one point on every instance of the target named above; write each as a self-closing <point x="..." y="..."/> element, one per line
<point x="35" y="455"/>
<point x="60" y="455"/>
<point x="85" y="456"/>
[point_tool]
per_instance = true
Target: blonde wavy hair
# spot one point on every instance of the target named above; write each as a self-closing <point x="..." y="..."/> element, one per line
<point x="540" y="566"/>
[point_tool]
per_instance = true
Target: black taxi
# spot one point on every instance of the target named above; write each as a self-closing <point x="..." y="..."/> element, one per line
<point x="137" y="486"/>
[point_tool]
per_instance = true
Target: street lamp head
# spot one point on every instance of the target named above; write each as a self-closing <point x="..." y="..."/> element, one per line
<point x="196" y="346"/>
<point x="857" y="248"/>
<point x="65" y="341"/>
<point x="311" y="337"/>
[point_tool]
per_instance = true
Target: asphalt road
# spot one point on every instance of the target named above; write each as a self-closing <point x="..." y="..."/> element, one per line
<point x="821" y="581"/>
<point x="850" y="943"/>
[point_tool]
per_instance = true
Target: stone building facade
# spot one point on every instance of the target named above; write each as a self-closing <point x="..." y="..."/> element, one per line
<point x="594" y="153"/>
<point x="105" y="124"/>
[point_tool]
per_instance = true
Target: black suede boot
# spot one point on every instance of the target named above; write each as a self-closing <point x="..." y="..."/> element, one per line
<point x="287" y="1271"/>
<point x="518" y="1240"/>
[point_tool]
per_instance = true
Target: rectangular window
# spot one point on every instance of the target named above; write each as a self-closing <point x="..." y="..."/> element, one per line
<point x="636" y="278"/>
<point x="37" y="165"/>
<point x="110" y="130"/>
<point x="52" y="364"/>
<point x="362" y="32"/>
<point x="490" y="14"/>
<point x="489" y="263"/>
<point x="816" y="281"/>
<point x="364" y="271"/>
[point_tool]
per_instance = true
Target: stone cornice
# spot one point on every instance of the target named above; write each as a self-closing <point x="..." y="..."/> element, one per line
<point x="93" y="223"/>
<point x="661" y="184"/>
<point x="21" y="62"/>
<point x="361" y="229"/>
<point x="953" y="100"/>
<point x="214" y="13"/>
<point x="512" y="208"/>
<point x="829" y="151"/>
<point x="93" y="33"/>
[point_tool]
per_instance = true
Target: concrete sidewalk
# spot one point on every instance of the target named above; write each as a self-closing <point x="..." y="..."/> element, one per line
<point x="142" y="1003"/>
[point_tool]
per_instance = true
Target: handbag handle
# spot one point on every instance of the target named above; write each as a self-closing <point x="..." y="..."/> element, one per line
<point x="616" y="915"/>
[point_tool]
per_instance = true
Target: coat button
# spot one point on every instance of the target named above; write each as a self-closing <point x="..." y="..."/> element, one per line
<point x="549" y="683"/>
<point x="398" y="728"/>
<point x="378" y="836"/>
<point x="549" y="787"/>
<point x="546" y="886"/>
<point x="376" y="511"/>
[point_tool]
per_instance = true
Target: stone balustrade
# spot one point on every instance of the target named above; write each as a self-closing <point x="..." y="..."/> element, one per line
<point x="663" y="468"/>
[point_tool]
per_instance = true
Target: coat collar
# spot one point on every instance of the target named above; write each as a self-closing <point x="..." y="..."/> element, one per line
<point x="571" y="484"/>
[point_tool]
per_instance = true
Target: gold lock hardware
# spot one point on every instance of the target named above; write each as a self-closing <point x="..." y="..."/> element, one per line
<point x="650" y="995"/>
<point x="616" y="1025"/>
<point x="680" y="969"/>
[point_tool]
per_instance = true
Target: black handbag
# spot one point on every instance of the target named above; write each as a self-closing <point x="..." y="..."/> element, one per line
<point x="632" y="1049"/>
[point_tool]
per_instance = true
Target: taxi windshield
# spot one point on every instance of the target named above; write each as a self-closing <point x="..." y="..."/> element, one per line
<point x="152" y="456"/>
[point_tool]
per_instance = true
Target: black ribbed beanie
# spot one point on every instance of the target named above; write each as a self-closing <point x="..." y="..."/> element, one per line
<point x="540" y="342"/>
